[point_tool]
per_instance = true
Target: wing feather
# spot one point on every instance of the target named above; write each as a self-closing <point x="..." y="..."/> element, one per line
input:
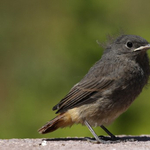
<point x="81" y="94"/>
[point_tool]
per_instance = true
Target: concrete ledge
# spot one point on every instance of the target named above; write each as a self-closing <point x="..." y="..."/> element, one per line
<point x="142" y="143"/>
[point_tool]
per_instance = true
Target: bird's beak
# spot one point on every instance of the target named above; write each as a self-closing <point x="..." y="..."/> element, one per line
<point x="146" y="47"/>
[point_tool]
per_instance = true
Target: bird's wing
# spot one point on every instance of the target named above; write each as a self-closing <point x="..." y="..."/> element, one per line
<point x="82" y="93"/>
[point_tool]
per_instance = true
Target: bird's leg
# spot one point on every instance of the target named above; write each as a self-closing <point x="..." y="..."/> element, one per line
<point x="93" y="133"/>
<point x="99" y="139"/>
<point x="113" y="137"/>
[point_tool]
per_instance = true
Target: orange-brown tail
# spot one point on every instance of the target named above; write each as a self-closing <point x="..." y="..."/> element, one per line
<point x="60" y="121"/>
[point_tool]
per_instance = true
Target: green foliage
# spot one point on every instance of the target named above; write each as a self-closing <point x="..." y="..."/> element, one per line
<point x="48" y="46"/>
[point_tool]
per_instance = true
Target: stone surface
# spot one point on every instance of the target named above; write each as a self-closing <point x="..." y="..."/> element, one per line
<point x="139" y="143"/>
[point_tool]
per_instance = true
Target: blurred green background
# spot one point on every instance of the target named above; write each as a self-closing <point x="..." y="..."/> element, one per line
<point x="48" y="46"/>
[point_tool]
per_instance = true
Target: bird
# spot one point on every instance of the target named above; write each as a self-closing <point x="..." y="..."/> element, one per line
<point x="107" y="90"/>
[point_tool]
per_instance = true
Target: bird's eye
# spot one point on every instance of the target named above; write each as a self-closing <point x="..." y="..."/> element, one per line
<point x="129" y="44"/>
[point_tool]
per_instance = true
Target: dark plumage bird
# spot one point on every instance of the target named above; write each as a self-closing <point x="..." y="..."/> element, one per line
<point x="108" y="89"/>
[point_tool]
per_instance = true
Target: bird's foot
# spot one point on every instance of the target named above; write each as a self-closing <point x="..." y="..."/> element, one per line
<point x="104" y="140"/>
<point x="109" y="140"/>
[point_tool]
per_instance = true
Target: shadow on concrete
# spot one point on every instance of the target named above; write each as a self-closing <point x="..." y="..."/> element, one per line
<point x="136" y="138"/>
<point x="121" y="138"/>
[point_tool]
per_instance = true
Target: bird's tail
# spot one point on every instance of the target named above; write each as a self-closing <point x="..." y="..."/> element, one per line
<point x="60" y="121"/>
